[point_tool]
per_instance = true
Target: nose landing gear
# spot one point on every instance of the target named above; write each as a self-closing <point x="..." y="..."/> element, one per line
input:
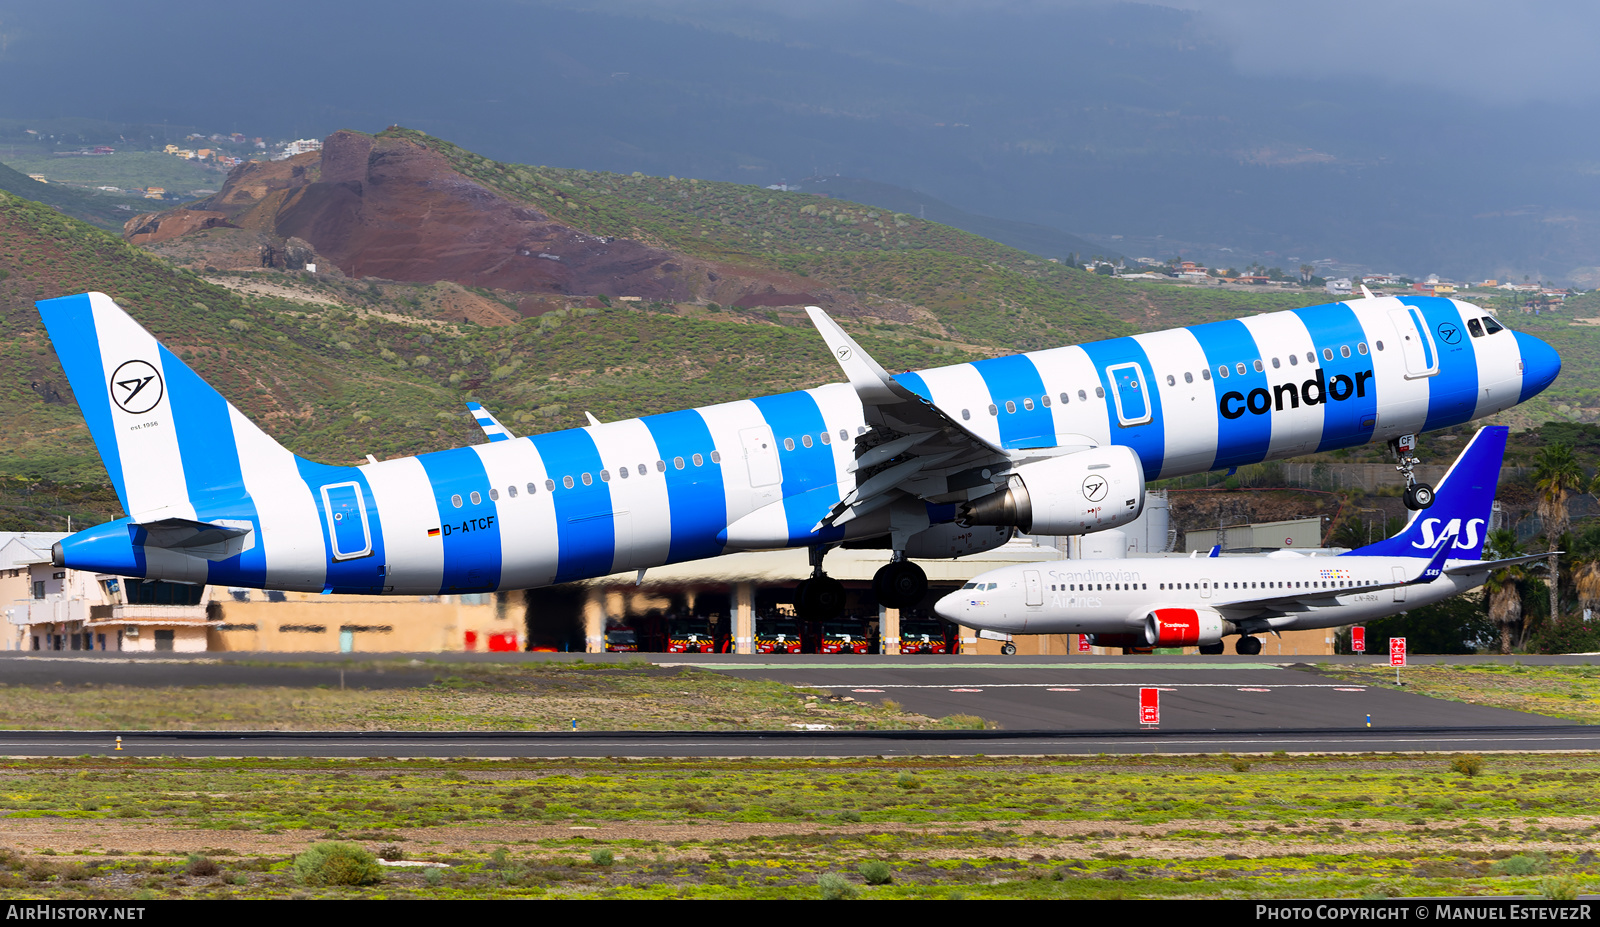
<point x="1418" y="496"/>
<point x="821" y="597"/>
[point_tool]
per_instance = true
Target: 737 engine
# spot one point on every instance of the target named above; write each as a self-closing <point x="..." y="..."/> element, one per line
<point x="1184" y="627"/>
<point x="1088" y="490"/>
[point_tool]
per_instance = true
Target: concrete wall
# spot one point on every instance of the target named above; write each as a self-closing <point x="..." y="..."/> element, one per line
<point x="363" y="624"/>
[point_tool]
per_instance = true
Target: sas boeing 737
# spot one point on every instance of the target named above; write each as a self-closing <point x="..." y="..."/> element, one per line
<point x="937" y="463"/>
<point x="1176" y="602"/>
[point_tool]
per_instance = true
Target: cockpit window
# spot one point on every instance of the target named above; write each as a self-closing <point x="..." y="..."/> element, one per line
<point x="1475" y="328"/>
<point x="1491" y="325"/>
<point x="970" y="586"/>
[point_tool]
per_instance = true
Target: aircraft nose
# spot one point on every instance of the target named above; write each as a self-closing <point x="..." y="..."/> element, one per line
<point x="1540" y="365"/>
<point x="950" y="607"/>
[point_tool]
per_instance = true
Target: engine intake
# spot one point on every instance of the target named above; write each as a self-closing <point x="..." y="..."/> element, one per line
<point x="1089" y="490"/>
<point x="1184" y="627"/>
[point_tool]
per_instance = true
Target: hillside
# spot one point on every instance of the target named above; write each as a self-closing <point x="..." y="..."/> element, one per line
<point x="339" y="364"/>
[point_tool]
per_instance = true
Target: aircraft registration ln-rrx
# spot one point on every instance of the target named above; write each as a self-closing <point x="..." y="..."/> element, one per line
<point x="1178" y="602"/>
<point x="933" y="464"/>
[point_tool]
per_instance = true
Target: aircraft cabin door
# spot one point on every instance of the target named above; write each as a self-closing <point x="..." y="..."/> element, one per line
<point x="1033" y="587"/>
<point x="347" y="520"/>
<point x="1399" y="577"/>
<point x="1132" y="394"/>
<point x="1415" y="343"/>
<point x="762" y="463"/>
<point x="1205" y="588"/>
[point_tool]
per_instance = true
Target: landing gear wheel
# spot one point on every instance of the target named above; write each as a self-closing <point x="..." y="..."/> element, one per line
<point x="1009" y="649"/>
<point x="1248" y="646"/>
<point x="819" y="598"/>
<point x="1419" y="497"/>
<point x="1211" y="650"/>
<point x="901" y="584"/>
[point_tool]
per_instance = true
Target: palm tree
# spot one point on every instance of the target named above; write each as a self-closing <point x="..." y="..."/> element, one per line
<point x="1557" y="476"/>
<point x="1505" y="586"/>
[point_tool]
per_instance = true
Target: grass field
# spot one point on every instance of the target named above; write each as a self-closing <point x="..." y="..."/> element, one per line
<point x="1571" y="692"/>
<point x="1092" y="827"/>
<point x="464" y="697"/>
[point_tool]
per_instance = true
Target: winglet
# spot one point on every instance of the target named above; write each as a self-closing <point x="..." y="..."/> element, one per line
<point x="491" y="426"/>
<point x="1436" y="562"/>
<point x="870" y="380"/>
<point x="1216" y="551"/>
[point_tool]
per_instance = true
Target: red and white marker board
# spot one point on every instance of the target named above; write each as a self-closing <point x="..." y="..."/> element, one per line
<point x="1397" y="651"/>
<point x="1358" y="639"/>
<point x="1149" y="706"/>
<point x="1083" y="644"/>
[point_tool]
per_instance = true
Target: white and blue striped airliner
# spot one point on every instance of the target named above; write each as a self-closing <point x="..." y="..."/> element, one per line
<point x="936" y="463"/>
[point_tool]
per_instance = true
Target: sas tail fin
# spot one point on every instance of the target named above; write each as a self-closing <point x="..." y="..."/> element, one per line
<point x="173" y="447"/>
<point x="1461" y="505"/>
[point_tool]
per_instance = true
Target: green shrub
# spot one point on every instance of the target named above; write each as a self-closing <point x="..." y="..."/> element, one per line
<point x="1564" y="888"/>
<point x="876" y="872"/>
<point x="1467" y="764"/>
<point x="849" y="817"/>
<point x="1523" y="864"/>
<point x="601" y="857"/>
<point x="1241" y="766"/>
<point x="197" y="865"/>
<point x="908" y="781"/>
<point x="433" y="875"/>
<point x="331" y="863"/>
<point x="835" y="887"/>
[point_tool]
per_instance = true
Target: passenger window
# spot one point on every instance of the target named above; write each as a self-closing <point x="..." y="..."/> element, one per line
<point x="605" y="476"/>
<point x="550" y="485"/>
<point x="844" y="435"/>
<point x="623" y="472"/>
<point x="456" y="501"/>
<point x="661" y="466"/>
<point x="716" y="456"/>
<point x="1475" y="328"/>
<point x="966" y="415"/>
<point x="1222" y="371"/>
<point x="698" y="460"/>
<point x="1378" y="345"/>
<point x="1275" y="364"/>
<point x="1011" y="407"/>
<point x="494" y="494"/>
<point x="1344" y="350"/>
<point x="1240" y="367"/>
<point x="1327" y="354"/>
<point x="567" y="481"/>
<point x="1188" y="377"/>
<point x="643" y="470"/>
<point x="1027" y="404"/>
<point x="1205" y="373"/>
<point x="511" y="491"/>
<point x="1099" y="392"/>
<point x="804" y="439"/>
<point x="477" y="498"/>
<point x="1045" y="400"/>
<point x="532" y="489"/>
<point x="678" y="461"/>
<point x="1259" y="368"/>
<point x="993" y="409"/>
<point x="1294" y="360"/>
<point x="1362" y="347"/>
<point x="1311" y="357"/>
<point x="788" y="445"/>
<point x="1064" y="399"/>
<point x="826" y="439"/>
<point x="588" y="480"/>
<point x="1172" y="380"/>
<point x="1083" y="396"/>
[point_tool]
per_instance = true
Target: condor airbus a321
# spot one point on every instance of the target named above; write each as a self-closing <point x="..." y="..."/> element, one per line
<point x="1176" y="602"/>
<point x="932" y="464"/>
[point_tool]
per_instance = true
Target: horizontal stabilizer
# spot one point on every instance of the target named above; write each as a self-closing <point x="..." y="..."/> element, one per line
<point x="1487" y="566"/>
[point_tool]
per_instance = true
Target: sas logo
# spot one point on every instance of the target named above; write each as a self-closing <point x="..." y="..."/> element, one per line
<point x="1431" y="534"/>
<point x="137" y="387"/>
<point x="1313" y="392"/>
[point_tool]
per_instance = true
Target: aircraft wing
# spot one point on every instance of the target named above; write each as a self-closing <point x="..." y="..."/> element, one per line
<point x="912" y="445"/>
<point x="1489" y="566"/>
<point x="1307" y="599"/>
<point x="491" y="426"/>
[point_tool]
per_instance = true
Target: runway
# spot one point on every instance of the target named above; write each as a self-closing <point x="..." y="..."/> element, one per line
<point x="792" y="743"/>
<point x="1042" y="706"/>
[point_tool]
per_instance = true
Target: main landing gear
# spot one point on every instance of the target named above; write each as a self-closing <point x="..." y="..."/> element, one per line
<point x="1009" y="649"/>
<point x="1247" y="646"/>
<point x="821" y="597"/>
<point x="1211" y="650"/>
<point x="1418" y="496"/>
<point x="897" y="584"/>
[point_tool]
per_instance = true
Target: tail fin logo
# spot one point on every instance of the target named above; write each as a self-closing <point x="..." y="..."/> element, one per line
<point x="1467" y="541"/>
<point x="137" y="387"/>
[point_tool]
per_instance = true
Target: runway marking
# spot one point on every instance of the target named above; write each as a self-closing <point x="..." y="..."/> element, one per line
<point x="1084" y="665"/>
<point x="866" y="690"/>
<point x="1253" y="689"/>
<point x="1170" y="686"/>
<point x="966" y="690"/>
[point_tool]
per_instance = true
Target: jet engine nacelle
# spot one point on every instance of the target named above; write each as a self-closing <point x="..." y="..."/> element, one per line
<point x="1184" y="627"/>
<point x="1088" y="490"/>
<point x="941" y="542"/>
